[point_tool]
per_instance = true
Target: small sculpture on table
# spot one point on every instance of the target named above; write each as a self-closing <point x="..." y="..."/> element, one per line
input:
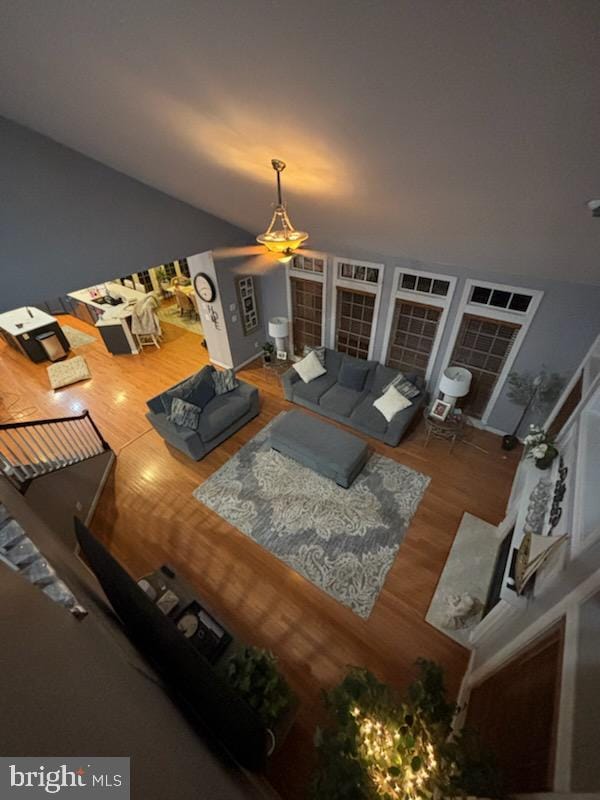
<point x="461" y="611"/>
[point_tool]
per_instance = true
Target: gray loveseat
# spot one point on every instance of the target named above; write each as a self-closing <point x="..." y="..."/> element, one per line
<point x="222" y="416"/>
<point x="351" y="407"/>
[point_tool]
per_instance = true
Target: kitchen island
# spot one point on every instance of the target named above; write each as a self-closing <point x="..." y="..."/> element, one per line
<point x="110" y="313"/>
<point x="23" y="327"/>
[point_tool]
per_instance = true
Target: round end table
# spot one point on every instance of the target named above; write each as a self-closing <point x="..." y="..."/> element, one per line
<point x="452" y="428"/>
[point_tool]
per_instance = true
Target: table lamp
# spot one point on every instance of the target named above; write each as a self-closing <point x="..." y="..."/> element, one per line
<point x="278" y="330"/>
<point x="455" y="383"/>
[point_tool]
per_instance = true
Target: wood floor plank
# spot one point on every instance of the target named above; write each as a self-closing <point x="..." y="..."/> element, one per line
<point x="147" y="516"/>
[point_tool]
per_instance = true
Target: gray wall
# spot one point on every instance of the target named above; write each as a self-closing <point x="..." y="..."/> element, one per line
<point x="585" y="771"/>
<point x="242" y="347"/>
<point x="227" y="345"/>
<point x="566" y="323"/>
<point x="67" y="221"/>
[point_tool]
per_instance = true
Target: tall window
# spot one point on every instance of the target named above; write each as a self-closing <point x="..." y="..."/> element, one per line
<point x="354" y="321"/>
<point x="306" y="282"/>
<point x="145" y="279"/>
<point x="413" y="333"/>
<point x="307" y="314"/>
<point x="490" y="327"/>
<point x="483" y="346"/>
<point x="170" y="270"/>
<point x="184" y="267"/>
<point x="416" y="318"/>
<point x="357" y="290"/>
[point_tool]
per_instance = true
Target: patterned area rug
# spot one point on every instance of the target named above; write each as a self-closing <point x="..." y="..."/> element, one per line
<point x="342" y="540"/>
<point x="76" y="338"/>
<point x="169" y="314"/>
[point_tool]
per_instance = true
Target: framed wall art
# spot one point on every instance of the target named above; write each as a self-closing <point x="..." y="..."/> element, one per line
<point x="246" y="292"/>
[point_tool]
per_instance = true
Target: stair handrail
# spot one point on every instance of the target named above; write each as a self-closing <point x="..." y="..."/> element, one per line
<point x="28" y="423"/>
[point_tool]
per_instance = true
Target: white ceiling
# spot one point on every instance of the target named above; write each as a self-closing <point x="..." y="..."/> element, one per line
<point x="452" y="132"/>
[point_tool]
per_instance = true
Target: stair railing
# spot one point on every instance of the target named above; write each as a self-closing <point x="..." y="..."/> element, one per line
<point x="37" y="447"/>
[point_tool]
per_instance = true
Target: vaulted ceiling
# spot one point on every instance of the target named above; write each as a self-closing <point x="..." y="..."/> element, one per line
<point x="447" y="131"/>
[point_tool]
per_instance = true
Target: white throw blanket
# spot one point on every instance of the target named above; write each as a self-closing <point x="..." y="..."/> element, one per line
<point x="143" y="318"/>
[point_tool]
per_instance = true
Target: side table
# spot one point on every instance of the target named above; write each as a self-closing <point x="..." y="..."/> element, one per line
<point x="451" y="428"/>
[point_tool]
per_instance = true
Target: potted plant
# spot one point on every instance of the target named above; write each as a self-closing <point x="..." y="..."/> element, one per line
<point x="381" y="746"/>
<point x="539" y="447"/>
<point x="254" y="673"/>
<point x="267" y="352"/>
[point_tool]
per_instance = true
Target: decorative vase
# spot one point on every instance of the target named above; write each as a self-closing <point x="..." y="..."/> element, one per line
<point x="267" y="358"/>
<point x="509" y="442"/>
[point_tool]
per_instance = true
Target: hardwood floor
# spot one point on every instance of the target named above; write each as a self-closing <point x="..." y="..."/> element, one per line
<point x="148" y="516"/>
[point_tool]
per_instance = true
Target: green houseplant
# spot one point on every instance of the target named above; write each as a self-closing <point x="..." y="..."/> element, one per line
<point x="381" y="746"/>
<point x="253" y="672"/>
<point x="267" y="352"/>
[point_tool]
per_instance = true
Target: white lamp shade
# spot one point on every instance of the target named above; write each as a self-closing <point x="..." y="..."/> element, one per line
<point x="278" y="327"/>
<point x="456" y="382"/>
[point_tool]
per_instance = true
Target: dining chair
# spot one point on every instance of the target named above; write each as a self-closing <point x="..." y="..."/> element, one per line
<point x="184" y="303"/>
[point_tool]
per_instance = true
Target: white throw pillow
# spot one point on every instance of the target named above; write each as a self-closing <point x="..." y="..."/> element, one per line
<point x="391" y="402"/>
<point x="309" y="368"/>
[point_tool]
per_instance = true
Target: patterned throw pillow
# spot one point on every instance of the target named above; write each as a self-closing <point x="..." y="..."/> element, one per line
<point x="224" y="381"/>
<point x="319" y="352"/>
<point x="197" y="389"/>
<point x="185" y="414"/>
<point x="403" y="385"/>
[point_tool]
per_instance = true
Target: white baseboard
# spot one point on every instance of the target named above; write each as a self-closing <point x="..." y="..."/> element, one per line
<point x="477" y="423"/>
<point x="248" y="360"/>
<point x="235" y="366"/>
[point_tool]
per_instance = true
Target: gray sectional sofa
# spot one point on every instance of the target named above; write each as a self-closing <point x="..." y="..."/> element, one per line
<point x="222" y="416"/>
<point x="326" y="396"/>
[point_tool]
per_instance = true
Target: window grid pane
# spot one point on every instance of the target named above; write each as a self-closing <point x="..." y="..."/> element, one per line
<point x="184" y="267"/>
<point x="145" y="279"/>
<point x="354" y="322"/>
<point x="358" y="272"/>
<point x="482" y="346"/>
<point x="414" y="328"/>
<point x="500" y="298"/>
<point x="421" y="284"/>
<point x="307" y="306"/>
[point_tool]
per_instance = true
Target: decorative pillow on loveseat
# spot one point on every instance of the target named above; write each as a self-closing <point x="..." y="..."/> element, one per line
<point x="320" y="352"/>
<point x="391" y="402"/>
<point x="309" y="367"/>
<point x="198" y="389"/>
<point x="224" y="381"/>
<point x="403" y="385"/>
<point x="353" y="375"/>
<point x="185" y="414"/>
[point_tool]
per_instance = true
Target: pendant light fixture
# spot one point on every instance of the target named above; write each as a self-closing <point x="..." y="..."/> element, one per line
<point x="281" y="236"/>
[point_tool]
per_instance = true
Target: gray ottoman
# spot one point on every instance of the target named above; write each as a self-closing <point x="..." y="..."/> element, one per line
<point x="316" y="444"/>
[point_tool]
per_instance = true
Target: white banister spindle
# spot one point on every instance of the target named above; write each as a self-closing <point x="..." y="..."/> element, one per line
<point x="80" y="428"/>
<point x="31" y="449"/>
<point x="65" y="430"/>
<point x="92" y="435"/>
<point x="42" y="456"/>
<point x="66" y="449"/>
<point x="31" y="460"/>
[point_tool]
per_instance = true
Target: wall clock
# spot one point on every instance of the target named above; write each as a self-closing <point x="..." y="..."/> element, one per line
<point x="205" y="288"/>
